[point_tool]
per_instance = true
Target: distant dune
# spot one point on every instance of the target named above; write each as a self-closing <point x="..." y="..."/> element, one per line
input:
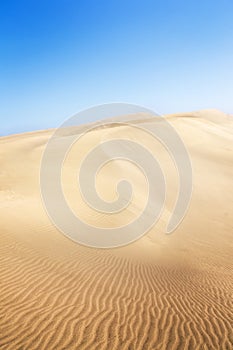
<point x="161" y="292"/>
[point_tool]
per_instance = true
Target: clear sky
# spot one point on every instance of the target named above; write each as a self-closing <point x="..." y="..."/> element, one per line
<point x="60" y="56"/>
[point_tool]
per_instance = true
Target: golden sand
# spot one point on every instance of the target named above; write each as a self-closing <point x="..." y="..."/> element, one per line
<point x="161" y="292"/>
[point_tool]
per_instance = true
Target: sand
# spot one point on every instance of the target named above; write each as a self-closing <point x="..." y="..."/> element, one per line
<point x="161" y="292"/>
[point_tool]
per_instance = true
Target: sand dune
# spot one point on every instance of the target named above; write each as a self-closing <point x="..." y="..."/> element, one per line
<point x="160" y="292"/>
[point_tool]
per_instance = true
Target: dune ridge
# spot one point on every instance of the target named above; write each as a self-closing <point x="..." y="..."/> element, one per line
<point x="161" y="292"/>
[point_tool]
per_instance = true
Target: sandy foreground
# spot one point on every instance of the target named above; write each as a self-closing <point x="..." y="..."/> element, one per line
<point x="161" y="292"/>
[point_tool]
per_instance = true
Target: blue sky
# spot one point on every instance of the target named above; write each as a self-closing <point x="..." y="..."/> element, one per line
<point x="58" y="57"/>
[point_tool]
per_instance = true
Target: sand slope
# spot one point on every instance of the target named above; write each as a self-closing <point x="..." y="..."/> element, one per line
<point x="161" y="292"/>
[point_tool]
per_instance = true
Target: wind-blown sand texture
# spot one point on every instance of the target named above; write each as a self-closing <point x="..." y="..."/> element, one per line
<point x="161" y="292"/>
